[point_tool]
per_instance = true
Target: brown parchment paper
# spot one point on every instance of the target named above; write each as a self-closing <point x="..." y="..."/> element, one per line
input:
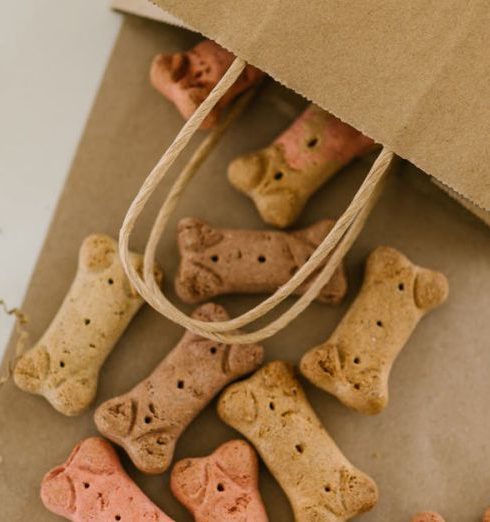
<point x="413" y="75"/>
<point x="430" y="448"/>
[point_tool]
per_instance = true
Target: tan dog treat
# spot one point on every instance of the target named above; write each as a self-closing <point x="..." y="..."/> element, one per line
<point x="486" y="516"/>
<point x="223" y="487"/>
<point x="428" y="516"/>
<point x="187" y="78"/>
<point x="148" y="420"/>
<point x="355" y="363"/>
<point x="92" y="486"/>
<point x="64" y="365"/>
<point x="222" y="261"/>
<point x="281" y="178"/>
<point x="272" y="411"/>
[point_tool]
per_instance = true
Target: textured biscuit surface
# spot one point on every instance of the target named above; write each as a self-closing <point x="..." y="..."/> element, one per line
<point x="427" y="516"/>
<point x="272" y="411"/>
<point x="187" y="78"/>
<point x="281" y="178"/>
<point x="222" y="487"/>
<point x="92" y="485"/>
<point x="64" y="365"/>
<point x="148" y="420"/>
<point x="223" y="261"/>
<point x="354" y="364"/>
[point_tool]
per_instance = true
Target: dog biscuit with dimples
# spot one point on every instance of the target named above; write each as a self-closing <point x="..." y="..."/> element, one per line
<point x="187" y="78"/>
<point x="281" y="178"/>
<point x="64" y="365"/>
<point x="92" y="485"/>
<point x="354" y="364"/>
<point x="272" y="411"/>
<point x="223" y="261"/>
<point x="148" y="420"/>
<point x="222" y="487"/>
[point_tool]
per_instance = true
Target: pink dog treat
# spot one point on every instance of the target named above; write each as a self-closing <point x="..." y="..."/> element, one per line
<point x="428" y="516"/>
<point x="187" y="78"/>
<point x="92" y="486"/>
<point x="222" y="487"/>
<point x="148" y="420"/>
<point x="223" y="261"/>
<point x="281" y="178"/>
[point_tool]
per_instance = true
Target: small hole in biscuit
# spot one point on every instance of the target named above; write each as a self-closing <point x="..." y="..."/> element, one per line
<point x="357" y="386"/>
<point x="261" y="259"/>
<point x="214" y="259"/>
<point x="213" y="349"/>
<point x="278" y="176"/>
<point x="357" y="360"/>
<point x="86" y="321"/>
<point x="180" y="384"/>
<point x="312" y="142"/>
<point x="401" y="287"/>
<point x="86" y="485"/>
<point x="92" y="345"/>
<point x="379" y="323"/>
<point x="160" y="441"/>
<point x="299" y="448"/>
<point x="62" y="364"/>
<point x="151" y="407"/>
<point x="118" y="517"/>
<point x="110" y="281"/>
<point x="220" y="487"/>
<point x="147" y="419"/>
<point x="198" y="74"/>
<point x="327" y="489"/>
<point x="272" y="406"/>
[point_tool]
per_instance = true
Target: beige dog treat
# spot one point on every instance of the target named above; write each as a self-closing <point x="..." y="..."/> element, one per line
<point x="281" y="178"/>
<point x="148" y="420"/>
<point x="64" y="365"/>
<point x="222" y="261"/>
<point x="92" y="486"/>
<point x="223" y="487"/>
<point x="355" y="363"/>
<point x="428" y="516"/>
<point x="187" y="78"/>
<point x="272" y="411"/>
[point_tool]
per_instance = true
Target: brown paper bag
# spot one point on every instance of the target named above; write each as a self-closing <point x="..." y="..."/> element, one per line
<point x="428" y="449"/>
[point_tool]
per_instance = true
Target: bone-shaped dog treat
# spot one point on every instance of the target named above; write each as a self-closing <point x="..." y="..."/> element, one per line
<point x="148" y="420"/>
<point x="222" y="487"/>
<point x="355" y="363"/>
<point x="428" y="516"/>
<point x="64" y="365"/>
<point x="187" y="78"/>
<point x="281" y="178"/>
<point x="272" y="411"/>
<point x="223" y="261"/>
<point x="92" y="486"/>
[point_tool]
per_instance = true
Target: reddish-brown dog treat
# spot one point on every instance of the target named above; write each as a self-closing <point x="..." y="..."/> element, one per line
<point x="187" y="78"/>
<point x="222" y="487"/>
<point x="92" y="486"/>
<point x="148" y="420"/>
<point x="486" y="516"/>
<point x="427" y="516"/>
<point x="281" y="178"/>
<point x="223" y="261"/>
<point x="354" y="364"/>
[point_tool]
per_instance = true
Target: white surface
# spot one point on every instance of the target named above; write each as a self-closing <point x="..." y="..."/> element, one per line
<point x="52" y="57"/>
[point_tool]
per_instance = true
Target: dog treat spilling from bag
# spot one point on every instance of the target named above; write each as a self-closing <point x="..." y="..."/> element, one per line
<point x="428" y="516"/>
<point x="223" y="261"/>
<point x="223" y="487"/>
<point x="355" y="363"/>
<point x="64" y="365"/>
<point x="272" y="411"/>
<point x="148" y="420"/>
<point x="187" y="78"/>
<point x="92" y="485"/>
<point x="281" y="178"/>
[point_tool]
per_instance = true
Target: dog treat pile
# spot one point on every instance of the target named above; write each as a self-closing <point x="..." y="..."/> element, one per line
<point x="269" y="408"/>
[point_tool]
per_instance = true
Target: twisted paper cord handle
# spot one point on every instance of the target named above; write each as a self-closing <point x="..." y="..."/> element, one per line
<point x="342" y="235"/>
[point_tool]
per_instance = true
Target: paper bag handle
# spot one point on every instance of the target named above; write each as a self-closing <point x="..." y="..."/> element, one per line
<point x="335" y="245"/>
